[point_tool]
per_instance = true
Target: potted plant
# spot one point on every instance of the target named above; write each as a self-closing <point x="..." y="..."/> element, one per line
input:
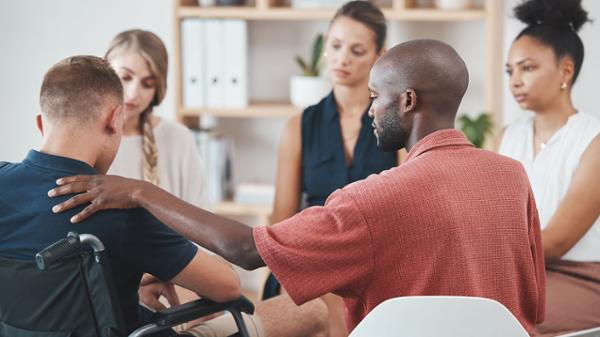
<point x="476" y="129"/>
<point x="309" y="88"/>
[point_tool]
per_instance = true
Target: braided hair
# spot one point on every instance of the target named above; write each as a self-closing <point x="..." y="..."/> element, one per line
<point x="152" y="49"/>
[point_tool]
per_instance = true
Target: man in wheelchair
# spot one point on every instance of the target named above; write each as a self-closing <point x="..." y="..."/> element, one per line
<point x="81" y="122"/>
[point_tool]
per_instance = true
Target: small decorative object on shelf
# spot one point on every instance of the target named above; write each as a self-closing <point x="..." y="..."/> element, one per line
<point x="476" y="129"/>
<point x="206" y="3"/>
<point x="424" y="3"/>
<point x="309" y="88"/>
<point x="230" y="2"/>
<point x="453" y="4"/>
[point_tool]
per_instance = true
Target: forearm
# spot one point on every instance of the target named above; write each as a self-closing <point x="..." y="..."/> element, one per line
<point x="228" y="238"/>
<point x="553" y="249"/>
<point x="567" y="226"/>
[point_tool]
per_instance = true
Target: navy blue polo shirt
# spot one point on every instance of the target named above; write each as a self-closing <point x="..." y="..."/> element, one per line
<point x="135" y="241"/>
<point x="324" y="167"/>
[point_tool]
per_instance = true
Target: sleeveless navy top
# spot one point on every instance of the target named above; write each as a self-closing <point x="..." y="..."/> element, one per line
<point x="324" y="167"/>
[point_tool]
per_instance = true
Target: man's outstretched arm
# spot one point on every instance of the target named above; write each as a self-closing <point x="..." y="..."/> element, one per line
<point x="228" y="238"/>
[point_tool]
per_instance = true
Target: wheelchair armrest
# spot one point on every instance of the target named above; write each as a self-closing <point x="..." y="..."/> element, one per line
<point x="199" y="308"/>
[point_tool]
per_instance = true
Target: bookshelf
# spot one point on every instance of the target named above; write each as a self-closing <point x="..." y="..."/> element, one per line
<point x="254" y="110"/>
<point x="282" y="14"/>
<point x="401" y="10"/>
<point x="489" y="15"/>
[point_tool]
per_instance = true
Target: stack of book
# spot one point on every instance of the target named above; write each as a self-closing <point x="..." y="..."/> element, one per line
<point x="216" y="151"/>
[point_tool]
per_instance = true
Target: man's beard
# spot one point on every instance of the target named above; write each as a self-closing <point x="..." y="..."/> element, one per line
<point x="391" y="136"/>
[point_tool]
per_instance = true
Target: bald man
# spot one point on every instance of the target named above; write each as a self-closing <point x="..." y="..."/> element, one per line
<point x="451" y="220"/>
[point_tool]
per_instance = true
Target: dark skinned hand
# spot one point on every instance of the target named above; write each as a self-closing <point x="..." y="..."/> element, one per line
<point x="100" y="191"/>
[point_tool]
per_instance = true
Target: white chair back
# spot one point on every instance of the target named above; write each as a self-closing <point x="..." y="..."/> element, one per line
<point x="435" y="316"/>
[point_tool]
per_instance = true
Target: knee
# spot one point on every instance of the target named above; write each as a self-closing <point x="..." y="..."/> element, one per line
<point x="320" y="318"/>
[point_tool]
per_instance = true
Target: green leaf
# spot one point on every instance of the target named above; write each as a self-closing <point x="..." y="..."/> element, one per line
<point x="317" y="53"/>
<point x="302" y="64"/>
<point x="476" y="129"/>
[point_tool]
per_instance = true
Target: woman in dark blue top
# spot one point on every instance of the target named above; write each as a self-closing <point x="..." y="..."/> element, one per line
<point x="326" y="165"/>
<point x="332" y="143"/>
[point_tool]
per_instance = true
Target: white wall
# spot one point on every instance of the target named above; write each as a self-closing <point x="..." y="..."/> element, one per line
<point x="36" y="34"/>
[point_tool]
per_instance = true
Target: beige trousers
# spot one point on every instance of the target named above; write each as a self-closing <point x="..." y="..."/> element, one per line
<point x="224" y="326"/>
<point x="276" y="317"/>
<point x="572" y="298"/>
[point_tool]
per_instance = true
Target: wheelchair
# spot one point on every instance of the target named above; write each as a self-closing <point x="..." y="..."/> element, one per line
<point x="68" y="292"/>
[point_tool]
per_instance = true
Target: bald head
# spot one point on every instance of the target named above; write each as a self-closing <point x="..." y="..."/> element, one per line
<point x="416" y="89"/>
<point x="433" y="69"/>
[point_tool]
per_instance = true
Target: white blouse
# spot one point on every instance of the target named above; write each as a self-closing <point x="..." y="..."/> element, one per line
<point x="551" y="171"/>
<point x="179" y="167"/>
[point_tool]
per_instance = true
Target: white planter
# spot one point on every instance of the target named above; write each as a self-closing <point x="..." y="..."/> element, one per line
<point x="453" y="4"/>
<point x="308" y="90"/>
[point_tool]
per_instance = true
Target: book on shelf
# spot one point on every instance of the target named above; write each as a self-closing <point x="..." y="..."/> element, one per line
<point x="193" y="64"/>
<point x="216" y="152"/>
<point x="214" y="63"/>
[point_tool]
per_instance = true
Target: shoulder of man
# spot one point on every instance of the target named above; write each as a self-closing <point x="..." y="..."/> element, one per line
<point x="5" y="168"/>
<point x="141" y="219"/>
<point x="378" y="187"/>
<point x="139" y="215"/>
<point x="503" y="159"/>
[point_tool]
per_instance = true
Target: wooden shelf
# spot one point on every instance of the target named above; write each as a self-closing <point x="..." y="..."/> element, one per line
<point x="288" y="14"/>
<point x="254" y="110"/>
<point x="490" y="14"/>
<point x="233" y="209"/>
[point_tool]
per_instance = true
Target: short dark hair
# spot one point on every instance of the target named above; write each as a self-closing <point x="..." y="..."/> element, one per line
<point x="367" y="14"/>
<point x="77" y="87"/>
<point x="555" y="23"/>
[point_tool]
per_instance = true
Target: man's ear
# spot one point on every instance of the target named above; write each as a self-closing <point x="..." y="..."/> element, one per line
<point x="408" y="100"/>
<point x="114" y="120"/>
<point x="39" y="122"/>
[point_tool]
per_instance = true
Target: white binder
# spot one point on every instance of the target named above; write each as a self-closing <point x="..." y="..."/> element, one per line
<point x="192" y="38"/>
<point x="214" y="74"/>
<point x="235" y="56"/>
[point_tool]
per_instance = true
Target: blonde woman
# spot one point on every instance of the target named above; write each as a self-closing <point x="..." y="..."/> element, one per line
<point x="153" y="149"/>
